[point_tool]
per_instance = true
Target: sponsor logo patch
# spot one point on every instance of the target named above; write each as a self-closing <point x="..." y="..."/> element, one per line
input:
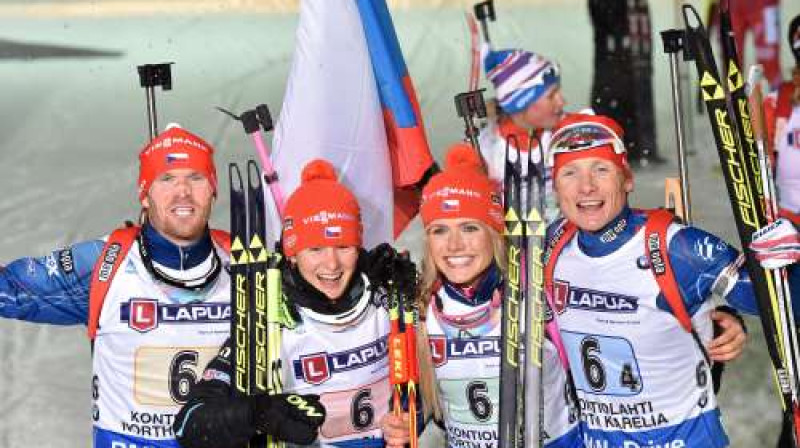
<point x="317" y="368"/>
<point x="568" y="296"/>
<point x="438" y="350"/>
<point x="109" y="257"/>
<point x="443" y="350"/>
<point x="145" y="315"/>
<point x="218" y="375"/>
<point x="66" y="261"/>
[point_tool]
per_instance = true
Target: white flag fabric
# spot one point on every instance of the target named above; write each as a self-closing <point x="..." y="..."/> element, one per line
<point x="332" y="110"/>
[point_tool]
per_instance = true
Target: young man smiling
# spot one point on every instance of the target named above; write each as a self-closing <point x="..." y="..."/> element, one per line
<point x="635" y="329"/>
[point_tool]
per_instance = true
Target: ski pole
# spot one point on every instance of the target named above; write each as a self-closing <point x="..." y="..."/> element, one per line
<point x="791" y="351"/>
<point x="484" y="12"/>
<point x="673" y="44"/>
<point x="475" y="53"/>
<point x="403" y="367"/>
<point x="254" y="121"/>
<point x="150" y="76"/>
<point x="741" y="174"/>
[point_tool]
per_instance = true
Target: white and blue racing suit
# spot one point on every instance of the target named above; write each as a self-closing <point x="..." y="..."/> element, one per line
<point x="151" y="336"/>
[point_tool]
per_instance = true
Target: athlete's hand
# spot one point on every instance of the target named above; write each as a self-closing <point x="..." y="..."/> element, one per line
<point x="730" y="343"/>
<point x="395" y="430"/>
<point x="289" y="417"/>
<point x="776" y="245"/>
<point x="384" y="263"/>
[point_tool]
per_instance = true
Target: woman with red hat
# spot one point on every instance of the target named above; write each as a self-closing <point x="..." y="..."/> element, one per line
<point x="460" y="306"/>
<point x="333" y="345"/>
<point x="632" y="294"/>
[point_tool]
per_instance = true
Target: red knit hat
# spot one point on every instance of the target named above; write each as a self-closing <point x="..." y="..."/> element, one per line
<point x="462" y="190"/>
<point x="173" y="149"/>
<point x="578" y="136"/>
<point x="321" y="212"/>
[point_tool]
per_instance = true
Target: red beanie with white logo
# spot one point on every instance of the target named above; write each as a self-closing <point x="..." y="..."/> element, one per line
<point x="462" y="190"/>
<point x="173" y="149"/>
<point x="321" y="212"/>
<point x="580" y="136"/>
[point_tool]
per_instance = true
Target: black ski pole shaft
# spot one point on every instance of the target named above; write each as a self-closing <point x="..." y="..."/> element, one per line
<point x="484" y="12"/>
<point x="673" y="44"/>
<point x="151" y="76"/>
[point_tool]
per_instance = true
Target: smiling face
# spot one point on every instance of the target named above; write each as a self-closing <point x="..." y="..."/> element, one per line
<point x="545" y="112"/>
<point x="329" y="269"/>
<point x="178" y="205"/>
<point x="461" y="249"/>
<point x="591" y="192"/>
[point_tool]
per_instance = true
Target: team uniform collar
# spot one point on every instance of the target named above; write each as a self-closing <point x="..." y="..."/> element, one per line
<point x="172" y="256"/>
<point x="611" y="237"/>
<point x="480" y="293"/>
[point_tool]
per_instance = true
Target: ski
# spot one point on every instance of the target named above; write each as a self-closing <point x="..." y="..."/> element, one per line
<point x="256" y="122"/>
<point x="521" y="402"/>
<point x="759" y="164"/>
<point x="255" y="292"/>
<point x="534" y="230"/>
<point x="511" y="373"/>
<point x="742" y="175"/>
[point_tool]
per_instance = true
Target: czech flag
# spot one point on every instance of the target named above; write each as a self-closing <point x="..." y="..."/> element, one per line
<point x="350" y="100"/>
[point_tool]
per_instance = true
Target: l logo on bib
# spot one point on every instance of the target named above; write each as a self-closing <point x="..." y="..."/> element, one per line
<point x="438" y="350"/>
<point x="144" y="315"/>
<point x="560" y="296"/>
<point x="315" y="368"/>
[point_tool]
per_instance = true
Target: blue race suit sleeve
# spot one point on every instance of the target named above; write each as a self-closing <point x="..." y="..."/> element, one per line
<point x="698" y="259"/>
<point x="53" y="289"/>
<point x="743" y="298"/>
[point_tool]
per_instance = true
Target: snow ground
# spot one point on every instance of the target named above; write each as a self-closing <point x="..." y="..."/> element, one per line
<point x="72" y="127"/>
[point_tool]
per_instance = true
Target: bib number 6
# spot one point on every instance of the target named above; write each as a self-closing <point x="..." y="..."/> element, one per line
<point x="361" y="410"/>
<point x="182" y="375"/>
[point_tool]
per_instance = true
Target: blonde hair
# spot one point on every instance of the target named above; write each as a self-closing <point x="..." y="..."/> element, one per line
<point x="429" y="282"/>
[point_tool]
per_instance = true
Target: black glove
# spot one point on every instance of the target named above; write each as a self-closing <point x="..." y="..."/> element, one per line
<point x="383" y="263"/>
<point x="288" y="417"/>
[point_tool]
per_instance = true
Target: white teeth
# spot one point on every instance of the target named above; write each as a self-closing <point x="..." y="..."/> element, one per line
<point x="590" y="203"/>
<point x="329" y="277"/>
<point x="183" y="211"/>
<point x="459" y="261"/>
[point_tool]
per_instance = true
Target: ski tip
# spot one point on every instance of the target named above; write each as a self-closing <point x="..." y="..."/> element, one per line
<point x="235" y="175"/>
<point x="694" y="23"/>
<point x="253" y="174"/>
